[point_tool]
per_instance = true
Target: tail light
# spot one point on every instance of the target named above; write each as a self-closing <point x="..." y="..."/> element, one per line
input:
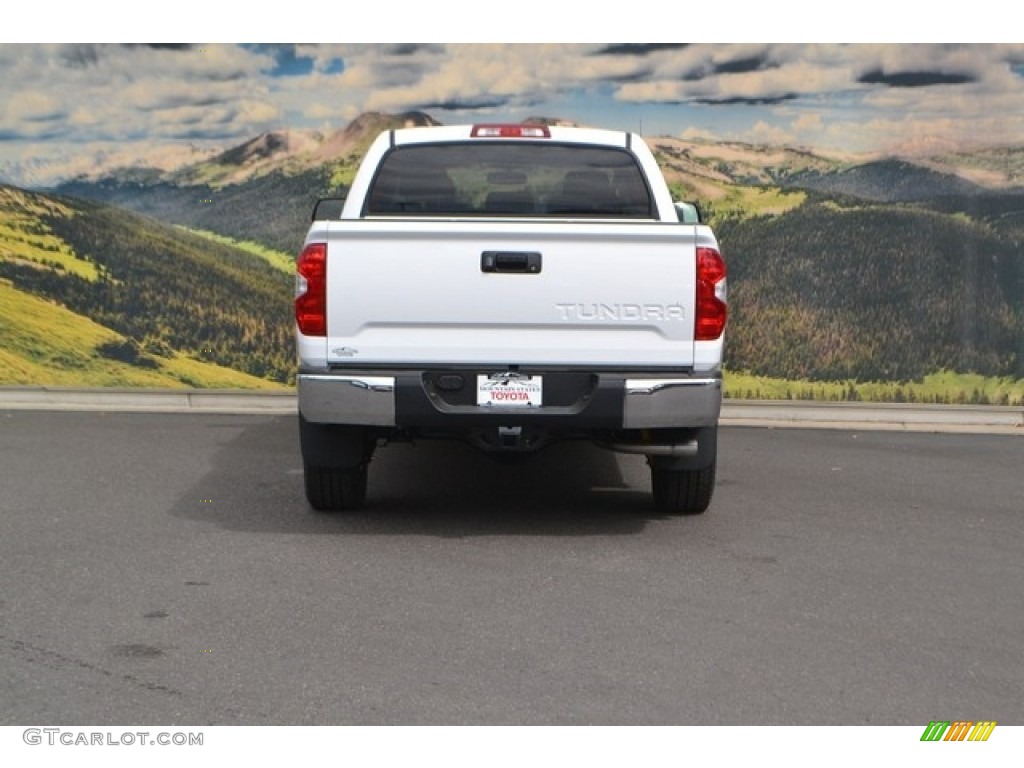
<point x="712" y="294"/>
<point x="311" y="290"/>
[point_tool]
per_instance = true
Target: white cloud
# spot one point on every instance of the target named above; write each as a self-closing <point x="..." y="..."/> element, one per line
<point x="59" y="99"/>
<point x="767" y="133"/>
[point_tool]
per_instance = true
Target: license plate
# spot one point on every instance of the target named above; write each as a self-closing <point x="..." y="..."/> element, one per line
<point x="509" y="390"/>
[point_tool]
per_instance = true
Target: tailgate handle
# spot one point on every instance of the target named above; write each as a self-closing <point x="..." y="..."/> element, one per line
<point x="512" y="262"/>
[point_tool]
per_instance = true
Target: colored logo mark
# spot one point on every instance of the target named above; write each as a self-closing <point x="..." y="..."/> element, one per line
<point x="958" y="730"/>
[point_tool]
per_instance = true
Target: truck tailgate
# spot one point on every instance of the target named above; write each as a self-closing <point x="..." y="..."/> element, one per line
<point x="512" y="292"/>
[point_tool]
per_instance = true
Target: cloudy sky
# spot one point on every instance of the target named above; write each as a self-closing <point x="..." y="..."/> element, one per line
<point x="65" y="106"/>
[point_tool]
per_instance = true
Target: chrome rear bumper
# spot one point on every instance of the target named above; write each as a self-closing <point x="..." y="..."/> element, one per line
<point x="672" y="402"/>
<point x="330" y="399"/>
<point x="648" y="403"/>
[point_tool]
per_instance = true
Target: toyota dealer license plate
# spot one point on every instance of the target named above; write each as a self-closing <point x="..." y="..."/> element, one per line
<point x="509" y="389"/>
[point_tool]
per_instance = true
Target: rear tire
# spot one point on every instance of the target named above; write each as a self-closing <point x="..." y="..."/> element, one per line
<point x="683" y="491"/>
<point x="335" y="458"/>
<point x="335" y="489"/>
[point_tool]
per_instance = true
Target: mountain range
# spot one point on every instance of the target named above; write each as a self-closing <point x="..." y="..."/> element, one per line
<point x="884" y="268"/>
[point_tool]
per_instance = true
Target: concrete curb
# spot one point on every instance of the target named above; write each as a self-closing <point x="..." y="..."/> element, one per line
<point x="756" y="413"/>
<point x="984" y="419"/>
<point x="148" y="400"/>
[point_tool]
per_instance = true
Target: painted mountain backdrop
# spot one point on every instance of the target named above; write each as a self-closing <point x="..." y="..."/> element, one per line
<point x="880" y="269"/>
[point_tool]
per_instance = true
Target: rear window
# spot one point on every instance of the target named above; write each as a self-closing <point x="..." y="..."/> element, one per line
<point x="509" y="179"/>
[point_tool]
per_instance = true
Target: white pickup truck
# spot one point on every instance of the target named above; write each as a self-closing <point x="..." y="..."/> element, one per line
<point x="510" y="285"/>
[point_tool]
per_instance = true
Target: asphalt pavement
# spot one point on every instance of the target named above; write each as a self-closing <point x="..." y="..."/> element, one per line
<point x="164" y="569"/>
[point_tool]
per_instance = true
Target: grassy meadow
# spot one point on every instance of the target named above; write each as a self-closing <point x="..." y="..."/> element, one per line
<point x="45" y="344"/>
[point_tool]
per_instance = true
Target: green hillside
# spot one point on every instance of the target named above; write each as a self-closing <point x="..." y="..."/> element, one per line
<point x="25" y="237"/>
<point x="97" y="295"/>
<point x="831" y="292"/>
<point x="1004" y="213"/>
<point x="887" y="180"/>
<point x="47" y="345"/>
<point x="272" y="210"/>
<point x="285" y="262"/>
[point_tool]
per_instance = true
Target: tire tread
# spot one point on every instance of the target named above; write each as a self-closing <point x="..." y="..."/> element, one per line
<point x="683" y="491"/>
<point x="335" y="489"/>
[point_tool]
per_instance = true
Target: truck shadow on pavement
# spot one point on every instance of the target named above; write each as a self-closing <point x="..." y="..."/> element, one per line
<point x="432" y="488"/>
